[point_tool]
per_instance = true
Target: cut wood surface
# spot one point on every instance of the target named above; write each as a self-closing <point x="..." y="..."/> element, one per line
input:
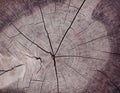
<point x="59" y="46"/>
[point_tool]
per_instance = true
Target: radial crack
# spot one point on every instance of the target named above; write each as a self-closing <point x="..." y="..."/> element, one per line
<point x="90" y="41"/>
<point x="29" y="39"/>
<point x="46" y="29"/>
<point x="11" y="69"/>
<point x="69" y="26"/>
<point x="56" y="72"/>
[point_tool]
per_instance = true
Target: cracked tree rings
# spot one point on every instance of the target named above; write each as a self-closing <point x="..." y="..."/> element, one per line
<point x="81" y="54"/>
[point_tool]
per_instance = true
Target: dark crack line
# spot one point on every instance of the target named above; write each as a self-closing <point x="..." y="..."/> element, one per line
<point x="69" y="27"/>
<point x="97" y="38"/>
<point x="56" y="73"/>
<point x="46" y="29"/>
<point x="90" y="41"/>
<point x="37" y="58"/>
<point x="73" y="56"/>
<point x="29" y="39"/>
<point x="11" y="69"/>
